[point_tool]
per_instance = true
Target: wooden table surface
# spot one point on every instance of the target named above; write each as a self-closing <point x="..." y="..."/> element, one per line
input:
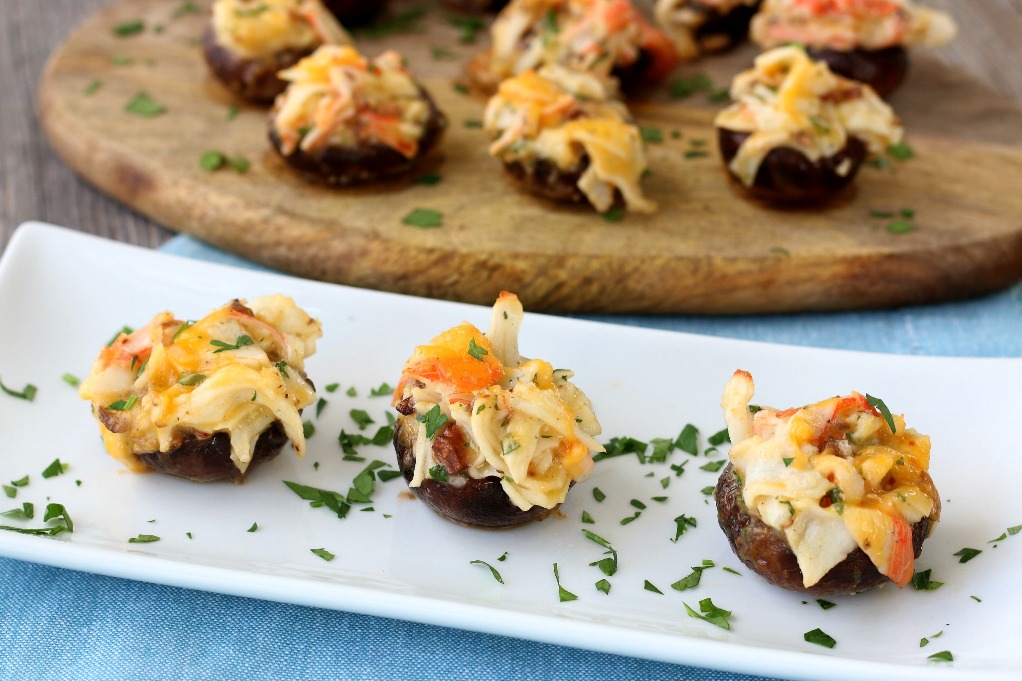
<point x="36" y="185"/>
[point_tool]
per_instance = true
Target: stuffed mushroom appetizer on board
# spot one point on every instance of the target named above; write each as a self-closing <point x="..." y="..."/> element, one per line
<point x="864" y="40"/>
<point x="561" y="137"/>
<point x="797" y="133"/>
<point x="609" y="39"/>
<point x="486" y="437"/>
<point x="830" y="498"/>
<point x="346" y="119"/>
<point x="249" y="41"/>
<point x="704" y="26"/>
<point x="206" y="400"/>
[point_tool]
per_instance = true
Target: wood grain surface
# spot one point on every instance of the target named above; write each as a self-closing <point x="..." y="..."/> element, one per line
<point x="639" y="260"/>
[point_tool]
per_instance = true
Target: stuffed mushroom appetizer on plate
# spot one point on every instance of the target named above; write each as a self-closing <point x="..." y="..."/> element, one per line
<point x="830" y="498"/>
<point x="704" y="26"/>
<point x="206" y="400"/>
<point x="346" y="119"/>
<point x="864" y="40"/>
<point x="561" y="137"/>
<point x="486" y="437"/>
<point x="609" y="39"/>
<point x="796" y="132"/>
<point x="248" y="41"/>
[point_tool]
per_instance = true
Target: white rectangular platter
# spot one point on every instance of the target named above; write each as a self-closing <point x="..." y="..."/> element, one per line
<point x="63" y="295"/>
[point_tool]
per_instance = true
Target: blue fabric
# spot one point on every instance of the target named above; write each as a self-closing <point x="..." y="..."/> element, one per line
<point x="95" y="627"/>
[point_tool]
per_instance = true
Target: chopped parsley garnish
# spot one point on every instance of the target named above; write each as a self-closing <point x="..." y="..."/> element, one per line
<point x="385" y="476"/>
<point x="879" y="405"/>
<point x="429" y="179"/>
<point x="787" y="460"/>
<point x="55" y="469"/>
<point x="255" y="526"/>
<point x="826" y="605"/>
<point x="21" y="482"/>
<point x="469" y="27"/>
<point x="921" y="581"/>
<point x="233" y="111"/>
<point x="604" y="586"/>
<point x="332" y="387"/>
<point x="707" y="490"/>
<point x="925" y="641"/>
<point x="942" y="656"/>
<point x="638" y="504"/>
<point x="192" y="379"/>
<point x="732" y="571"/>
<point x="144" y="105"/>
<point x="424" y="218"/>
<point x="71" y="380"/>
<point x="965" y="555"/>
<point x="587" y="519"/>
<point x="461" y="88"/>
<point x="144" y="539"/>
<point x="221" y="346"/>
<point x="473" y="123"/>
<point x="719" y="438"/>
<point x="711" y="613"/>
<point x="713" y="466"/>
<point x="682" y="522"/>
<point x="433" y="420"/>
<point x="649" y="586"/>
<point x="129" y="28"/>
<point x="475" y="350"/>
<point x="692" y="580"/>
<point x="11" y="492"/>
<point x="820" y="638"/>
<point x="901" y="151"/>
<point x="55" y="512"/>
<point x="695" y="153"/>
<point x="361" y="418"/>
<point x="320" y="406"/>
<point x="651" y="133"/>
<point x="123" y="405"/>
<point x="351" y="392"/>
<point x="385" y="390"/>
<point x="27" y="393"/>
<point x="562" y="593"/>
<point x="184" y="8"/>
<point x="493" y="570"/>
<point x="686" y="87"/>
<point x="607" y="566"/>
<point x="26" y="512"/>
<point x="93" y="87"/>
<point x="900" y="227"/>
<point x="688" y="440"/>
<point x="323" y="553"/>
<point x="438" y="473"/>
<point x="613" y="214"/>
<point x="321" y="497"/>
<point x="349" y="441"/>
<point x="598" y="495"/>
<point x="212" y="160"/>
<point x="308" y="429"/>
<point x="631" y="518"/>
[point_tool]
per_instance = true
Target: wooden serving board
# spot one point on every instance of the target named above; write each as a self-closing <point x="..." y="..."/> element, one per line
<point x="708" y="249"/>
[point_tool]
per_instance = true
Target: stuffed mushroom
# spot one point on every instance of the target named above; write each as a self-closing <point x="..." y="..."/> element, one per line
<point x="830" y="498"/>
<point x="249" y="41"/>
<point x="346" y="119"/>
<point x="609" y="39"/>
<point x="704" y="26"/>
<point x="561" y="137"/>
<point x="864" y="41"/>
<point x="486" y="437"/>
<point x="798" y="133"/>
<point x="206" y="400"/>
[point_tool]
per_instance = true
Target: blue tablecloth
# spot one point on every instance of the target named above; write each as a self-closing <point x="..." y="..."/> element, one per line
<point x="59" y="623"/>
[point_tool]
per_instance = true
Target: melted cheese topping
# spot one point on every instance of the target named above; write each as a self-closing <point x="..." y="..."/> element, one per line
<point x="263" y="28"/>
<point x="563" y="117"/>
<point x="681" y="20"/>
<point x="789" y="100"/>
<point x="524" y="421"/>
<point x="170" y="379"/>
<point x="849" y="24"/>
<point x="337" y="97"/>
<point x="832" y="476"/>
<point x="593" y="36"/>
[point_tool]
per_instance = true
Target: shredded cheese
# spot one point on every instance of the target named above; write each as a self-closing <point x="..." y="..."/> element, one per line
<point x="832" y="477"/>
<point x="205" y="378"/>
<point x="592" y="36"/>
<point x="789" y="100"/>
<point x="849" y="24"/>
<point x="523" y="421"/>
<point x="261" y="29"/>
<point x="563" y="117"/>
<point x="337" y="97"/>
